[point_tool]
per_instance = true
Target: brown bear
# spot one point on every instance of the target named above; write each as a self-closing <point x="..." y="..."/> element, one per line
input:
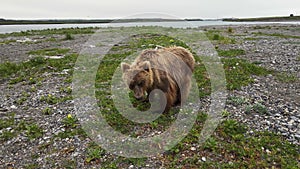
<point x="166" y="69"/>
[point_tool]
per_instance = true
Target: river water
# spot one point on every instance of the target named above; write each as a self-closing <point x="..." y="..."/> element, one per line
<point x="179" y="24"/>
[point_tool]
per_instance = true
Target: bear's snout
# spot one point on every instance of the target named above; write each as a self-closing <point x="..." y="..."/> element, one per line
<point x="139" y="96"/>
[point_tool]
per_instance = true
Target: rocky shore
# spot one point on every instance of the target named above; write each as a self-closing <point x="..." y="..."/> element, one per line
<point x="270" y="103"/>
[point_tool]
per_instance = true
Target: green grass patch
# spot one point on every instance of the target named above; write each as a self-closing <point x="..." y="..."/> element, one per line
<point x="231" y="52"/>
<point x="49" y="52"/>
<point x="216" y="36"/>
<point x="7" y="68"/>
<point x="50" y="99"/>
<point x="286" y="78"/>
<point x="72" y="128"/>
<point x="256" y="108"/>
<point x="238" y="72"/>
<point x="230" y="30"/>
<point x="5" y="42"/>
<point x="233" y="129"/>
<point x="26" y="71"/>
<point x="236" y="101"/>
<point x="10" y="128"/>
<point x="277" y="35"/>
<point x="94" y="153"/>
<point x="68" y="36"/>
<point x="51" y="32"/>
<point x="33" y="131"/>
<point x="251" y="39"/>
<point x="47" y="111"/>
<point x="232" y="147"/>
<point x="7" y="121"/>
<point x="67" y="90"/>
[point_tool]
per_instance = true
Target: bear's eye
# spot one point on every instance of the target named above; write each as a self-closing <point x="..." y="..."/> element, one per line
<point x="141" y="83"/>
<point x="131" y="86"/>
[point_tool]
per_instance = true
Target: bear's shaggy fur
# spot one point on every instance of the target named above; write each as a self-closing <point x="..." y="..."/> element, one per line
<point x="167" y="69"/>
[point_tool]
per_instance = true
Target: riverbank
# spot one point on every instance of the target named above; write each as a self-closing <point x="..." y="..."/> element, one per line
<point x="261" y="120"/>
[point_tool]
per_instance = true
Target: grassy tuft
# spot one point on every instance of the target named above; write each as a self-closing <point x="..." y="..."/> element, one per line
<point x="215" y="35"/>
<point x="230" y="30"/>
<point x="231" y="52"/>
<point x="286" y="78"/>
<point x="256" y="108"/>
<point x="33" y="131"/>
<point x="94" y="152"/>
<point x="236" y="101"/>
<point x="68" y="36"/>
<point x="49" y="52"/>
<point x="10" y="128"/>
<point x="277" y="35"/>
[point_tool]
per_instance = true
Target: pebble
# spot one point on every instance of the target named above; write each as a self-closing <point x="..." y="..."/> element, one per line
<point x="13" y="107"/>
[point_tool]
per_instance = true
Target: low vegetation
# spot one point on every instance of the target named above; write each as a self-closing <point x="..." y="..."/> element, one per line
<point x="64" y="31"/>
<point x="286" y="78"/>
<point x="49" y="52"/>
<point x="10" y="128"/>
<point x="68" y="36"/>
<point x="18" y="72"/>
<point x="239" y="72"/>
<point x="217" y="37"/>
<point x="277" y="35"/>
<point x="231" y="52"/>
<point x="231" y="146"/>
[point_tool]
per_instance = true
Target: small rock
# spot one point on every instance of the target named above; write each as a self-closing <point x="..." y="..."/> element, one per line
<point x="13" y="107"/>
<point x="291" y="122"/>
<point x="75" y="154"/>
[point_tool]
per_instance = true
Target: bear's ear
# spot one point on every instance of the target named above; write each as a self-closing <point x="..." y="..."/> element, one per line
<point x="125" y="67"/>
<point x="146" y="65"/>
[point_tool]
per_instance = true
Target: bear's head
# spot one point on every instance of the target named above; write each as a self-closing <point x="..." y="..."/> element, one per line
<point x="138" y="77"/>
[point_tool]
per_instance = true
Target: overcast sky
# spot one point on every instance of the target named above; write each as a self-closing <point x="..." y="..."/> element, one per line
<point x="58" y="9"/>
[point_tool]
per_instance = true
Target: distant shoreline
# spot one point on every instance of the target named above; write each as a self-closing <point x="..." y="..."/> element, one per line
<point x="86" y="21"/>
<point x="264" y="19"/>
<point x="104" y="21"/>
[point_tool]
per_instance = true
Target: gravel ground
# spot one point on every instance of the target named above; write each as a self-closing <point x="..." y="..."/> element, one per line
<point x="281" y="100"/>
